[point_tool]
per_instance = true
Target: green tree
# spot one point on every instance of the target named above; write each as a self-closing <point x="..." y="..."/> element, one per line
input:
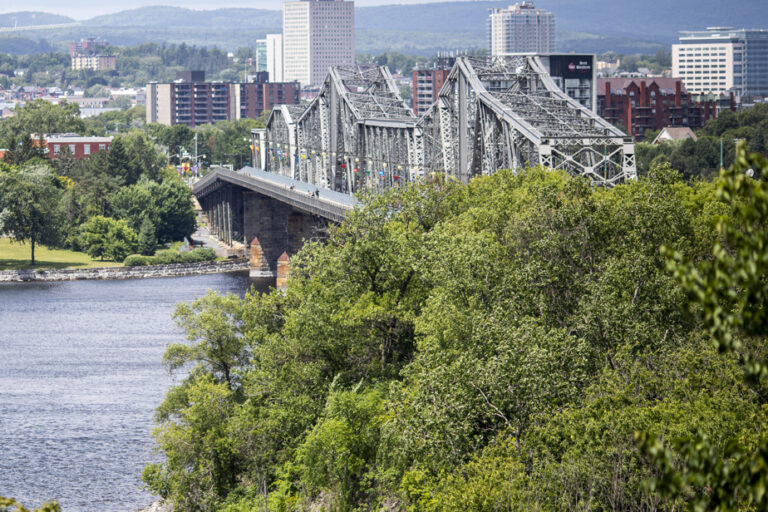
<point x="215" y="323"/>
<point x="119" y="162"/>
<point x="31" y="206"/>
<point x="64" y="162"/>
<point x="11" y="505"/>
<point x="42" y="117"/>
<point x="732" y="291"/>
<point x="147" y="238"/>
<point x="169" y="203"/>
<point x="105" y="237"/>
<point x="201" y="465"/>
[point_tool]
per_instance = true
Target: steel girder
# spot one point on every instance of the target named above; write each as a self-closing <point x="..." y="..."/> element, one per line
<point x="502" y="113"/>
<point x="357" y="133"/>
<point x="508" y="113"/>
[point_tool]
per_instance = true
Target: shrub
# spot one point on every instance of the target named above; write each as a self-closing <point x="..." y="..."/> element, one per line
<point x="198" y="255"/>
<point x="167" y="256"/>
<point x="138" y="260"/>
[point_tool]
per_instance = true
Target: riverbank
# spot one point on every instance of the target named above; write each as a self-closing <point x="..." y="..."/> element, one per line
<point x="150" y="271"/>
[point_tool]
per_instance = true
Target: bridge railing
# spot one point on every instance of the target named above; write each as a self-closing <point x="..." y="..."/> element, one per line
<point x="322" y="205"/>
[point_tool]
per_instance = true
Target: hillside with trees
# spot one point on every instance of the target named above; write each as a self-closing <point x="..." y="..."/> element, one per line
<point x="524" y="342"/>
<point x="420" y="29"/>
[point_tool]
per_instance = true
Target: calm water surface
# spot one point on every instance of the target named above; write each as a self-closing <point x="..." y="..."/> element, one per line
<point x="80" y="378"/>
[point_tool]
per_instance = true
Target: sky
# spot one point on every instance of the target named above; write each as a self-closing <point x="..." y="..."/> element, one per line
<point x="84" y="9"/>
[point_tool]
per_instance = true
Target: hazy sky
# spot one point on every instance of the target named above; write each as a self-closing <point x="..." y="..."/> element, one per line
<point x="84" y="9"/>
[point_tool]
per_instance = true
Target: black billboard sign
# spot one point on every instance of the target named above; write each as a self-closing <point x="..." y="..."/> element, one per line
<point x="571" y="66"/>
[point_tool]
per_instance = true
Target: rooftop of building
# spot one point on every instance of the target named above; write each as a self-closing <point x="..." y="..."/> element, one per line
<point x="619" y="85"/>
<point x="70" y="138"/>
<point x="674" y="133"/>
<point x="719" y="33"/>
<point x="519" y="8"/>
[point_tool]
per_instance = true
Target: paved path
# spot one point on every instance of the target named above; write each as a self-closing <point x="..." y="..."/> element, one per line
<point x="203" y="234"/>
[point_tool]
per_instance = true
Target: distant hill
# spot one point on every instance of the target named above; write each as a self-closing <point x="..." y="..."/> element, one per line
<point x="649" y="20"/>
<point x="32" y="18"/>
<point x="594" y="26"/>
<point x="176" y="17"/>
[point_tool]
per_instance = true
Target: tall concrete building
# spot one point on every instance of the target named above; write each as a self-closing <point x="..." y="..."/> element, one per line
<point x="275" y="57"/>
<point x="521" y="28"/>
<point x="317" y="34"/>
<point x="720" y="59"/>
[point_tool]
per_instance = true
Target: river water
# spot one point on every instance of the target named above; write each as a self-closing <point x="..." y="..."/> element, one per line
<point x="80" y="377"/>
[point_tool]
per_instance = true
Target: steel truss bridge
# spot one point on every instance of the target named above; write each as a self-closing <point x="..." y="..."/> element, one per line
<point x="503" y="113"/>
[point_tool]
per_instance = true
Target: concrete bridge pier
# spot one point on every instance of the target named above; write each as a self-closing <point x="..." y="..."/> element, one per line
<point x="224" y="209"/>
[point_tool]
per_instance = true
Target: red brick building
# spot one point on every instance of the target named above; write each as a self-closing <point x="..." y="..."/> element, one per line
<point x="640" y="104"/>
<point x="256" y="97"/>
<point x="80" y="147"/>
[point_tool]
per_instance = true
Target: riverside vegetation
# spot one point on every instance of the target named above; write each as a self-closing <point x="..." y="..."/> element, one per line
<point x="524" y="342"/>
<point x="108" y="205"/>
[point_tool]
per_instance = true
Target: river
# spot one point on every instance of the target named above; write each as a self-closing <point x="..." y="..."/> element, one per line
<point x="81" y="376"/>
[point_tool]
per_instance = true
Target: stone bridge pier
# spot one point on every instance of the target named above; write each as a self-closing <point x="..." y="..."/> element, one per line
<point x="270" y="214"/>
<point x="267" y="226"/>
<point x="273" y="228"/>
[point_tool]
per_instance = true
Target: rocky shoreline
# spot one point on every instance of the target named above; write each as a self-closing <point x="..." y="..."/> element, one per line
<point x="158" y="506"/>
<point x="170" y="270"/>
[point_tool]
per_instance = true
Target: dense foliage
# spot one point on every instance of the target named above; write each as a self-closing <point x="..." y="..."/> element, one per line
<point x="497" y="346"/>
<point x="11" y="505"/>
<point x="136" y="65"/>
<point x="96" y="204"/>
<point x="701" y="158"/>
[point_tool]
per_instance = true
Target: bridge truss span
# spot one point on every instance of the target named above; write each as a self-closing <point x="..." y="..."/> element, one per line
<point x="490" y="114"/>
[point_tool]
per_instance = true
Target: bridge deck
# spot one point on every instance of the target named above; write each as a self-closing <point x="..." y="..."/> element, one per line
<point x="327" y="203"/>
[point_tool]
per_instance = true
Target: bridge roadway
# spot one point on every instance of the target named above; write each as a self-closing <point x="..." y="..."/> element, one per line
<point x="326" y="203"/>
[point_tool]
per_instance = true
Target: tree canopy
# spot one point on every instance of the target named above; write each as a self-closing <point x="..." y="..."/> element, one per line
<point x="518" y="343"/>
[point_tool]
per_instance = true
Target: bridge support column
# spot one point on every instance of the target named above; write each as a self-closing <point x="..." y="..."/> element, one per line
<point x="283" y="271"/>
<point x="278" y="228"/>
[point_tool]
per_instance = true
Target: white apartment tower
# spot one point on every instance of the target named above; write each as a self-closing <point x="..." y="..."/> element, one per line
<point x="275" y="57"/>
<point x="317" y="34"/>
<point x="521" y="28"/>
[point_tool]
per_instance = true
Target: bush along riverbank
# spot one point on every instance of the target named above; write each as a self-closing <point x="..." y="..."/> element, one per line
<point x="170" y="256"/>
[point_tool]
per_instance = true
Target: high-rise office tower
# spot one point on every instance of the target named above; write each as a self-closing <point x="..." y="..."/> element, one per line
<point x="317" y="34"/>
<point x="521" y="28"/>
<point x="721" y="59"/>
<point x="260" y="52"/>
<point x="275" y="57"/>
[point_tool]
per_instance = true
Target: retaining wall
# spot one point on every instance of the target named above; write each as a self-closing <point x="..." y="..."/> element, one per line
<point x="173" y="270"/>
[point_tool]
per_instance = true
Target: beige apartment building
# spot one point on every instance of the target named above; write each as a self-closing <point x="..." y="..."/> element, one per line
<point x="317" y="34"/>
<point x="95" y="62"/>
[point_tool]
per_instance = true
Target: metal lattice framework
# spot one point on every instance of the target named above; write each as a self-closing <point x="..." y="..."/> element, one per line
<point x="505" y="113"/>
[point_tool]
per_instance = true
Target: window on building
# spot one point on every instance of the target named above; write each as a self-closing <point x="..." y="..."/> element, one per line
<point x="72" y="148"/>
<point x="56" y="149"/>
<point x="102" y="147"/>
<point x="86" y="149"/>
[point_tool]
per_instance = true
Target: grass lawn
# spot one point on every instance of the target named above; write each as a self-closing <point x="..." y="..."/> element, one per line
<point x="15" y="256"/>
